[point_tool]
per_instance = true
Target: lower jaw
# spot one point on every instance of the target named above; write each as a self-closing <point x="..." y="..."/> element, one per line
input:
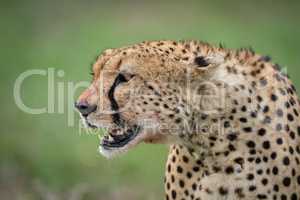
<point x="122" y="141"/>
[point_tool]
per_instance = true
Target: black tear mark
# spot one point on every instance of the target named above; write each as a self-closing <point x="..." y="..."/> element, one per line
<point x="201" y="62"/>
<point x="113" y="103"/>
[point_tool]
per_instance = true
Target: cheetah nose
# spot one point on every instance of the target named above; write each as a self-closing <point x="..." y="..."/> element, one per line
<point x="85" y="108"/>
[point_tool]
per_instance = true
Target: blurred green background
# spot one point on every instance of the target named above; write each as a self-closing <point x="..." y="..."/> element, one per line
<point x="41" y="157"/>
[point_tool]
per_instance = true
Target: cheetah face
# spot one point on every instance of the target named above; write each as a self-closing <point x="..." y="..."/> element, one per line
<point x="138" y="96"/>
<point x="134" y="99"/>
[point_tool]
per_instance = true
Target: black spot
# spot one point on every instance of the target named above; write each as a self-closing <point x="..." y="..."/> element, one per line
<point x="252" y="151"/>
<point x="167" y="197"/>
<point x="273" y="155"/>
<point x="292" y="135"/>
<point x="194" y="186"/>
<point x="179" y="169"/>
<point x="264" y="181"/>
<point x="172" y="178"/>
<point x="250" y="177"/>
<point x="298" y="130"/>
<point x="279" y="141"/>
<point x="173" y="193"/>
<point x="259" y="98"/>
<point x="181" y="183"/>
<point x="247" y="129"/>
<point x="287" y="104"/>
<point x="239" y="160"/>
<point x="257" y="160"/>
<point x="274" y="97"/>
<point x="250" y="144"/>
<point x="244" y="108"/>
<point x="169" y="168"/>
<point x="178" y="120"/>
<point x="231" y="147"/>
<point x="239" y="192"/>
<point x="243" y="120"/>
<point x="290" y="117"/>
<point x="266" y="109"/>
<point x="286" y="160"/>
<point x="223" y="191"/>
<point x="185" y="159"/>
<point x="186" y="192"/>
<point x="171" y="116"/>
<point x="173" y="159"/>
<point x="189" y="174"/>
<point x="229" y="170"/>
<point x="286" y="181"/>
<point x="276" y="188"/>
<point x="226" y="124"/>
<point x="294" y="196"/>
<point x="195" y="169"/>
<point x="266" y="145"/>
<point x="252" y="188"/>
<point x="166" y="106"/>
<point x="253" y="114"/>
<point x="261" y="132"/>
<point x="231" y="136"/>
<point x="168" y="185"/>
<point x="261" y="196"/>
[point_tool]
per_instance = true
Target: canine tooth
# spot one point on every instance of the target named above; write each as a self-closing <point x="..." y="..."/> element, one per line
<point x="110" y="138"/>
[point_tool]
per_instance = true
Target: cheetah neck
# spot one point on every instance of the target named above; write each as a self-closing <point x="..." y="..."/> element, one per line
<point x="260" y="111"/>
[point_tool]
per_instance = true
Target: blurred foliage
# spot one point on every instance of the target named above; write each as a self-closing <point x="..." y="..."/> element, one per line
<point x="67" y="35"/>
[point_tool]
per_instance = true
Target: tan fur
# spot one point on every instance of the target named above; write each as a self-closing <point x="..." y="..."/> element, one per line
<point x="230" y="117"/>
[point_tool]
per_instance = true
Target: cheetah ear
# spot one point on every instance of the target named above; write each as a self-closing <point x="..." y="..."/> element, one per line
<point x="205" y="61"/>
<point x="206" y="66"/>
<point x="211" y="59"/>
<point x="200" y="61"/>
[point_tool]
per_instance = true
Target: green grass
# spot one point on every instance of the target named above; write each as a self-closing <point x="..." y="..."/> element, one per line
<point x="68" y="35"/>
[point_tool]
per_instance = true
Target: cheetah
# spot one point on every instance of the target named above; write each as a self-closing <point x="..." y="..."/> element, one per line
<point x="230" y="117"/>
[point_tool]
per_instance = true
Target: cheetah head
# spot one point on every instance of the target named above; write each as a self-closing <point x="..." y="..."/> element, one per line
<point x="147" y="93"/>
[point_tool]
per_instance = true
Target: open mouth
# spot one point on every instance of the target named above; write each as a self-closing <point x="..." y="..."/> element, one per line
<point x="117" y="138"/>
<point x="114" y="138"/>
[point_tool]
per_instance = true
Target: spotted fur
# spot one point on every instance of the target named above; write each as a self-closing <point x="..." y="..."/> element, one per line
<point x="242" y="114"/>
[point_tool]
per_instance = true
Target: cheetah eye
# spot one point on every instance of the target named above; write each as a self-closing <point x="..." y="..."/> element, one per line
<point x="122" y="78"/>
<point x="126" y="76"/>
